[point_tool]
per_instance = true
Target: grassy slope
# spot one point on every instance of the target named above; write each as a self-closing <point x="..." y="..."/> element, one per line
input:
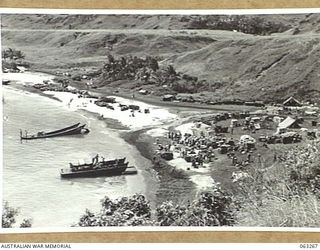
<point x="306" y="22"/>
<point x="235" y="65"/>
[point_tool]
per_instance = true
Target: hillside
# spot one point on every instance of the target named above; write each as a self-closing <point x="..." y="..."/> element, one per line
<point x="305" y="22"/>
<point x="234" y="65"/>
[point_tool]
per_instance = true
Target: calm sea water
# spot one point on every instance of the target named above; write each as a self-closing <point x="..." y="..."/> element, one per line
<point x="31" y="179"/>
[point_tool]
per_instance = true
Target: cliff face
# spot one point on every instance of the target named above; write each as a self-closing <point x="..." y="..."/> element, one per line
<point x="235" y="65"/>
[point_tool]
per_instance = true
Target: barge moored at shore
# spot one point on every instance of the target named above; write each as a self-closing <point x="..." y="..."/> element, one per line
<point x="98" y="168"/>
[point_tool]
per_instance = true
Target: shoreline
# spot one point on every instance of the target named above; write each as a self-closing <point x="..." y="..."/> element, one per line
<point x="175" y="184"/>
<point x="147" y="99"/>
<point x="156" y="100"/>
<point x="135" y="131"/>
<point x="111" y="123"/>
<point x="130" y="118"/>
<point x="165" y="173"/>
<point x="102" y="140"/>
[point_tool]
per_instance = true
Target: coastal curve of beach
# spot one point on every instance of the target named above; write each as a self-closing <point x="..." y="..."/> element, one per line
<point x="156" y="122"/>
<point x="134" y="121"/>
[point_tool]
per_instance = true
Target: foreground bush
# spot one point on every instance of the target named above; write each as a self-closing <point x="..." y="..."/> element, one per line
<point x="9" y="215"/>
<point x="125" y="211"/>
<point x="210" y="209"/>
<point x="286" y="194"/>
<point x="297" y="211"/>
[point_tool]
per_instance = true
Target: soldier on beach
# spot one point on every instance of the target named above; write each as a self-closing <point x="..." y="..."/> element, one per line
<point x="234" y="161"/>
<point x="249" y="157"/>
<point x="259" y="158"/>
<point x="231" y="129"/>
<point x="95" y="159"/>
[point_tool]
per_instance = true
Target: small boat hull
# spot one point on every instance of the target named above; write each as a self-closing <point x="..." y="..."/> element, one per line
<point x="72" y="130"/>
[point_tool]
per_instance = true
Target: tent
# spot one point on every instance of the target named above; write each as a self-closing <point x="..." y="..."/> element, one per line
<point x="234" y="122"/>
<point x="201" y="125"/>
<point x="168" y="98"/>
<point x="311" y="113"/>
<point x="288" y="134"/>
<point x="291" y="101"/>
<point x="256" y="119"/>
<point x="277" y="119"/>
<point x="247" y="139"/>
<point x="143" y="91"/>
<point x="200" y="129"/>
<point x="289" y="123"/>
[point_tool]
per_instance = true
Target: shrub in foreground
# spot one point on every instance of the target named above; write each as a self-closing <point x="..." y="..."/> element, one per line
<point x="9" y="215"/>
<point x="210" y="209"/>
<point x="285" y="194"/>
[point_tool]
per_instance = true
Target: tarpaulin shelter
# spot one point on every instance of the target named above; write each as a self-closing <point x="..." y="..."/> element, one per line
<point x="289" y="122"/>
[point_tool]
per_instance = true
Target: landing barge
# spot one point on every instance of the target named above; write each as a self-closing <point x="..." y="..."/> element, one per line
<point x="98" y="167"/>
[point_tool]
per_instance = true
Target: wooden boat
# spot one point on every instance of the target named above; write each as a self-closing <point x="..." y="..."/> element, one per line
<point x="71" y="130"/>
<point x="96" y="168"/>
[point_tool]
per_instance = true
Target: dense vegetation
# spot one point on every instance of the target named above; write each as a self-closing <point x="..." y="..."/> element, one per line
<point x="286" y="194"/>
<point x="247" y="24"/>
<point x="12" y="54"/>
<point x="11" y="58"/>
<point x="147" y="71"/>
<point x="9" y="215"/>
<point x="283" y="195"/>
<point x="252" y="24"/>
<point x="210" y="209"/>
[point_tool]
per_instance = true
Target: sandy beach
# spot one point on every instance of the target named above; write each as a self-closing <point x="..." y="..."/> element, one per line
<point x="142" y="129"/>
<point x="140" y="120"/>
<point x="27" y="78"/>
<point x="217" y="112"/>
<point x="154" y="124"/>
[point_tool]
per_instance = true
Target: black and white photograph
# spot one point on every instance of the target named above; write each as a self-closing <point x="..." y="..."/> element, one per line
<point x="162" y="120"/>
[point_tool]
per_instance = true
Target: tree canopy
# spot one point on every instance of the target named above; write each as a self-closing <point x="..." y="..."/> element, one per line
<point x="12" y="54"/>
